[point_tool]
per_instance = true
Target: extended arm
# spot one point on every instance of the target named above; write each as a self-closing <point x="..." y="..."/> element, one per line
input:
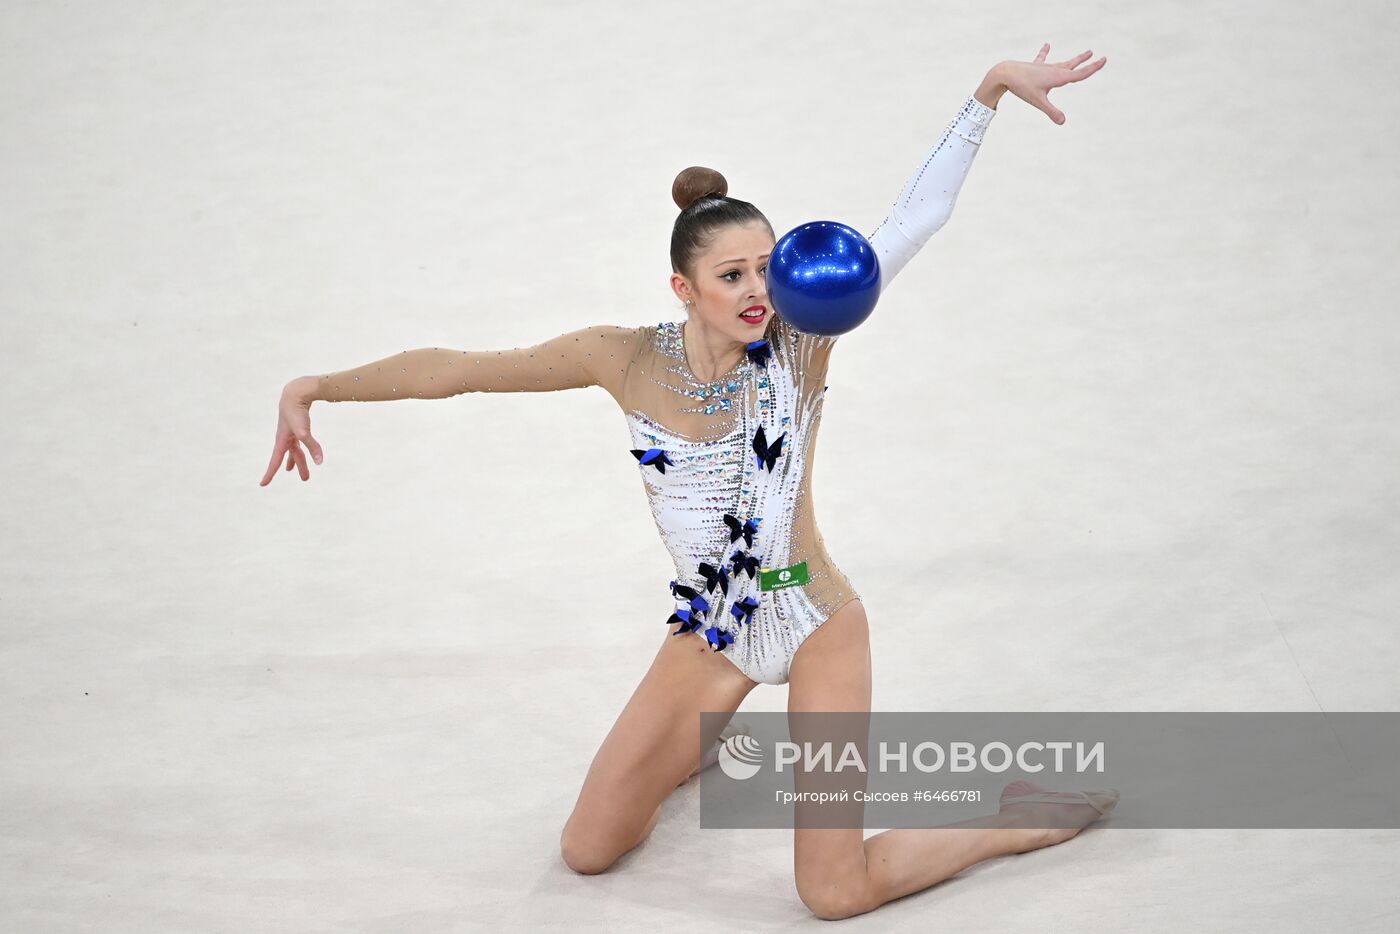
<point x="926" y="202"/>
<point x="928" y="197"/>
<point x="592" y="356"/>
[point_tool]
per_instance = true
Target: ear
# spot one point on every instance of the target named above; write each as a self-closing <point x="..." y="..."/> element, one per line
<point x="681" y="287"/>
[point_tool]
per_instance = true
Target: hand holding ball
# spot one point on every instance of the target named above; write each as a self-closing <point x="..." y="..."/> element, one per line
<point x="823" y="278"/>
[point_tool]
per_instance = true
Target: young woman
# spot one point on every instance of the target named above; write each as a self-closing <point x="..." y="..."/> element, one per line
<point x="723" y="410"/>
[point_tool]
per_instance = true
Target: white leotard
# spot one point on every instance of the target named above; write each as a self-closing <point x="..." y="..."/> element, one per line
<point x="707" y="432"/>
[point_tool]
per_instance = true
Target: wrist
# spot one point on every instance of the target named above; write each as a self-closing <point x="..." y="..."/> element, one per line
<point x="303" y="389"/>
<point x="993" y="86"/>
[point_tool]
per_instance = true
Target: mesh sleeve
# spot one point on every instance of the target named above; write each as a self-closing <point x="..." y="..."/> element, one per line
<point x="926" y="201"/>
<point x="593" y="356"/>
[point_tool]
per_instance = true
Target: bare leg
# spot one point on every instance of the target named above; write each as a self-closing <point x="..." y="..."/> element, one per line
<point x="651" y="749"/>
<point x="711" y="755"/>
<point x="838" y="872"/>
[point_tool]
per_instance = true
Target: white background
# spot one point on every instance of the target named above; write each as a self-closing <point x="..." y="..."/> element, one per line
<point x="1122" y="437"/>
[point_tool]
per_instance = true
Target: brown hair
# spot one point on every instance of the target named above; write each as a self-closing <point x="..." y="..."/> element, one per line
<point x="702" y="196"/>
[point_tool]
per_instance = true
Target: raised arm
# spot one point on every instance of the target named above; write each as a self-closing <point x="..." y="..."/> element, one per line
<point x="926" y="202"/>
<point x="928" y="197"/>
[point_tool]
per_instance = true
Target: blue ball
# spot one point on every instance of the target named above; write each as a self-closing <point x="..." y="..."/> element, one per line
<point x="823" y="278"/>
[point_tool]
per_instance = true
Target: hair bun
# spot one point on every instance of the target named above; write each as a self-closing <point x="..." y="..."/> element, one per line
<point x="695" y="183"/>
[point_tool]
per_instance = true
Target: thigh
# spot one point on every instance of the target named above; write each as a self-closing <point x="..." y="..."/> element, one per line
<point x="831" y="669"/>
<point x="831" y="673"/>
<point x="653" y="746"/>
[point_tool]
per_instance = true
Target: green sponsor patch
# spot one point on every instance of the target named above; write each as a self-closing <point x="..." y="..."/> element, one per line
<point x="778" y="578"/>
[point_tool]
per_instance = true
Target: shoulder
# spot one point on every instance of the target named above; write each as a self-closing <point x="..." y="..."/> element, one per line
<point x="803" y="349"/>
<point x="805" y="353"/>
<point x="614" y="338"/>
<point x="611" y="350"/>
<point x="663" y="337"/>
<point x="609" y="332"/>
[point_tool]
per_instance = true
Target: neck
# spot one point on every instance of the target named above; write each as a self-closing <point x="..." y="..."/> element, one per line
<point x="710" y="354"/>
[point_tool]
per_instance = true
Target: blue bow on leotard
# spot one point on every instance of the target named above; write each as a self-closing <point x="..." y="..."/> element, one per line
<point x="719" y="639"/>
<point x="743" y="610"/>
<point x="652" y="457"/>
<point x="698" y="603"/>
<point x="715" y="576"/>
<point x="758" y="351"/>
<point x="767" y="453"/>
<point x="688" y="621"/>
<point x="743" y="561"/>
<point x="747" y="529"/>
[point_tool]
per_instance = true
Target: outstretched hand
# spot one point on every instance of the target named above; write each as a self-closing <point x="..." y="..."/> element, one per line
<point x="293" y="430"/>
<point x="1032" y="81"/>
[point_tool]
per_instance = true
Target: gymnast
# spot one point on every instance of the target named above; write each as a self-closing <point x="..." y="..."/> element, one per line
<point x="723" y="410"/>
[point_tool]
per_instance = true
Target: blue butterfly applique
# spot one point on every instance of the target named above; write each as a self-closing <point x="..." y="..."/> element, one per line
<point x="719" y="639"/>
<point x="652" y="457"/>
<point x="688" y="620"/>
<point x="743" y="610"/>
<point x="747" y="529"/>
<point x="767" y="453"/>
<point x="698" y="604"/>
<point x="759" y="351"/>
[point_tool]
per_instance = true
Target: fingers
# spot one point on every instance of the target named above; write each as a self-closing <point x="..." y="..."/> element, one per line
<point x="312" y="445"/>
<point x="1051" y="111"/>
<point x="1087" y="70"/>
<point x="1044" y="51"/>
<point x="289" y="446"/>
<point x="301" y="462"/>
<point x="272" y="464"/>
<point x="1074" y="62"/>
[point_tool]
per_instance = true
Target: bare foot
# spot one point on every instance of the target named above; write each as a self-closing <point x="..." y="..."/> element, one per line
<point x="711" y="756"/>
<point x="1049" y="822"/>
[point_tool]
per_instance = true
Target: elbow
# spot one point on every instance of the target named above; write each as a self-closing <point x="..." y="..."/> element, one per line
<point x="928" y="220"/>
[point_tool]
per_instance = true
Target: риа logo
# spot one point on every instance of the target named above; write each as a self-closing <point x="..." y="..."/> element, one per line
<point x="740" y="756"/>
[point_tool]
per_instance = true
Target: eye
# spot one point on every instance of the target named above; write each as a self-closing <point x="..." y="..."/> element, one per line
<point x="734" y="272"/>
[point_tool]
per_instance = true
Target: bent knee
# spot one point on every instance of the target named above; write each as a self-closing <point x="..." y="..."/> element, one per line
<point x="835" y="906"/>
<point x="584" y="859"/>
<point x="585" y="853"/>
<point x="834" y="901"/>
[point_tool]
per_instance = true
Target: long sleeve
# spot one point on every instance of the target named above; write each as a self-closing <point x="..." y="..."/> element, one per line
<point x="592" y="356"/>
<point x="928" y="197"/>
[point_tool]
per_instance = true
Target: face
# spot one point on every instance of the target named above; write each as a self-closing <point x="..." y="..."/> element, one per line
<point x="730" y="278"/>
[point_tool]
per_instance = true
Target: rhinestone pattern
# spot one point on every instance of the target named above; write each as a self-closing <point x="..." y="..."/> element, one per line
<point x="693" y="440"/>
<point x="717" y="474"/>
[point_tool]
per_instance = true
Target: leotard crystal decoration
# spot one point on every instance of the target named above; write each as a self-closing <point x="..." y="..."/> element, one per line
<point x="726" y="464"/>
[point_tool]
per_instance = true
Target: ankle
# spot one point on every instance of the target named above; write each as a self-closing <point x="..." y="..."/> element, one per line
<point x="1015" y="832"/>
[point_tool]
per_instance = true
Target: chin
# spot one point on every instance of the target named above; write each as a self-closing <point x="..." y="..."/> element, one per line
<point x="744" y="333"/>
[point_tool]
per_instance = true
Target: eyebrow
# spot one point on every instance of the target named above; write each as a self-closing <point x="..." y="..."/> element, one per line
<point x="739" y="260"/>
